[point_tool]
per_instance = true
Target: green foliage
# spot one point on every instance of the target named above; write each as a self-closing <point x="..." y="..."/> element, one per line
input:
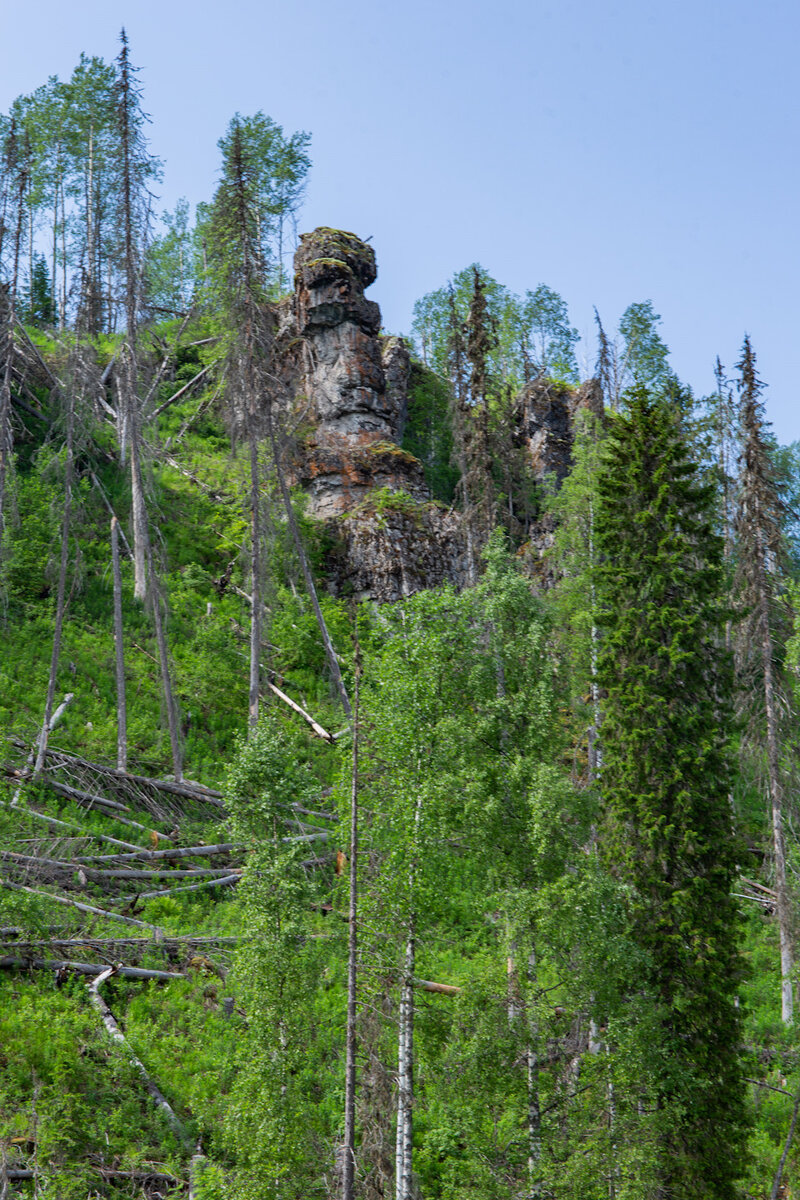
<point x="645" y="353"/>
<point x="666" y="779"/>
<point x="278" y="1124"/>
<point x="171" y="271"/>
<point x="68" y="1091"/>
<point x="428" y="433"/>
<point x="39" y="306"/>
<point x="532" y="335"/>
<point x="261" y="189"/>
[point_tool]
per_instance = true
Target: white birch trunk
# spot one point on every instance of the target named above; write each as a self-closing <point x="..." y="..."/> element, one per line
<point x="535" y="1187"/>
<point x="348" y="1174"/>
<point x="783" y="903"/>
<point x="405" y="1077"/>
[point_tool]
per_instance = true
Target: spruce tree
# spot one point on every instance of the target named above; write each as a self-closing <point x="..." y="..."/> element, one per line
<point x="665" y="783"/>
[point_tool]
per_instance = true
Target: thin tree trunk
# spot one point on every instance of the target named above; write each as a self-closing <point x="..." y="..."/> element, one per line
<point x="138" y="504"/>
<point x="348" y="1183"/>
<point x="405" y="1076"/>
<point x="62" y="308"/>
<point x="62" y="589"/>
<point x="119" y="652"/>
<point x="89" y="297"/>
<point x="166" y="678"/>
<point x="783" y="905"/>
<point x="255" y="571"/>
<point x="534" y="1112"/>
<point x="6" y="445"/>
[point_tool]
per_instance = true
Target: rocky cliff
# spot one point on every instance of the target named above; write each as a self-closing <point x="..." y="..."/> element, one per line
<point x="389" y="538"/>
<point x="350" y="391"/>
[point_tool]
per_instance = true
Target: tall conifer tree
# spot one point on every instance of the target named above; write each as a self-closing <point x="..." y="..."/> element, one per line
<point x="665" y="783"/>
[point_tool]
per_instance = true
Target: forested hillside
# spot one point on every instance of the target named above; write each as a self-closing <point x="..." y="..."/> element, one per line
<point x="398" y="735"/>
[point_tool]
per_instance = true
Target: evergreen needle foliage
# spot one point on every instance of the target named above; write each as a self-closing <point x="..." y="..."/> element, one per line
<point x="665" y="781"/>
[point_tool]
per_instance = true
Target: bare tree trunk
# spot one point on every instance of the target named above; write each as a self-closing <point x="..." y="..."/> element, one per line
<point x="62" y="588"/>
<point x="62" y="307"/>
<point x="255" y="571"/>
<point x="119" y="652"/>
<point x="348" y="1188"/>
<point x="783" y="905"/>
<point x="166" y="677"/>
<point x="138" y="505"/>
<point x="6" y="445"/>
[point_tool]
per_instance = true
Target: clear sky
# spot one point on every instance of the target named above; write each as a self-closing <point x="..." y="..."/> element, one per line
<point x="617" y="150"/>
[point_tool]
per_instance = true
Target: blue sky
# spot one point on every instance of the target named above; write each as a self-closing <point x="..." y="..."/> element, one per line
<point x="617" y="151"/>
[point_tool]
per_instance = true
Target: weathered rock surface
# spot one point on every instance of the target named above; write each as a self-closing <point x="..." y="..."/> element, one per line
<point x="344" y="376"/>
<point x="351" y="388"/>
<point x="350" y="393"/>
<point x="548" y="412"/>
<point x="386" y="552"/>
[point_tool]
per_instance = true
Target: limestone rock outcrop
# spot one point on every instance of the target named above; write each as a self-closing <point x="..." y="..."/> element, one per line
<point x="548" y="415"/>
<point x="389" y="539"/>
<point x="349" y="395"/>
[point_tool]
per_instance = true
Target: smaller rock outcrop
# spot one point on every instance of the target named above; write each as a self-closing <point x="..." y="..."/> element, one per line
<point x="393" y="547"/>
<point x="548" y="420"/>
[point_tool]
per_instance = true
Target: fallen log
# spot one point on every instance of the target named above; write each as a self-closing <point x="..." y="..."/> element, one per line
<point x="110" y="1023"/>
<point x="186" y="788"/>
<point x="173" y="852"/>
<point x="225" y="881"/>
<point x="156" y="930"/>
<point x="318" y="729"/>
<point x="72" y="865"/>
<point x="82" y="968"/>
<point x="28" y="944"/>
<point x="88" y="798"/>
<point x="445" y="989"/>
<point x="101" y="837"/>
<point x="181" y="391"/>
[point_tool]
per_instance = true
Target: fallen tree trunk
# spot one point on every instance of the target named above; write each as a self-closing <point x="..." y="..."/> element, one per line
<point x="156" y="930"/>
<point x="82" y="968"/>
<point x="116" y="1033"/>
<point x="186" y="788"/>
<point x="318" y="729"/>
<point x="445" y="989"/>
<point x="89" y="798"/>
<point x="102" y="837"/>
<point x="225" y="881"/>
<point x="129" y="873"/>
<point x="175" y="852"/>
<point x="92" y="943"/>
